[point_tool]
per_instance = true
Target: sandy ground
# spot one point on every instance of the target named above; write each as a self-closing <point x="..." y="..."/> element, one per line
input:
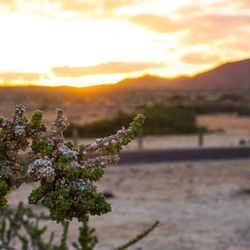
<point x="201" y="206"/>
<point x="229" y="123"/>
<point x="185" y="141"/>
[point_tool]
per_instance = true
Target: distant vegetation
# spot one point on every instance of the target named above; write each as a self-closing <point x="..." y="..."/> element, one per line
<point x="216" y="108"/>
<point x="213" y="103"/>
<point x="159" y="120"/>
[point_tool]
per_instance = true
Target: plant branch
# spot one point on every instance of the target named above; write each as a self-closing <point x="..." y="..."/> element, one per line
<point x="138" y="237"/>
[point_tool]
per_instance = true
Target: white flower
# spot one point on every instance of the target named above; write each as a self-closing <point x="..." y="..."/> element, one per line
<point x="68" y="152"/>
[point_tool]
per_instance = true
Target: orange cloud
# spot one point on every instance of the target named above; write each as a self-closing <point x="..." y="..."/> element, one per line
<point x="97" y="5"/>
<point x="13" y="76"/>
<point x="189" y="10"/>
<point x="238" y="45"/>
<point x="245" y="4"/>
<point x="10" y="4"/>
<point x="114" y="4"/>
<point x="201" y="29"/>
<point x="76" y="6"/>
<point x="104" y="68"/>
<point x="200" y="58"/>
<point x="7" y="2"/>
<point x="92" y="8"/>
<point x="211" y="28"/>
<point x="157" y="23"/>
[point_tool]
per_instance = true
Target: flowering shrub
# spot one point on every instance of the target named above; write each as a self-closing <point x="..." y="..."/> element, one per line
<point x="66" y="176"/>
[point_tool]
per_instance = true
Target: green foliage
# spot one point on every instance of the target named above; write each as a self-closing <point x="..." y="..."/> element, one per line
<point x="79" y="199"/>
<point x="97" y="174"/>
<point x="87" y="239"/>
<point x="169" y="120"/>
<point x="217" y="107"/>
<point x="2" y="154"/>
<point x="40" y="146"/>
<point x="66" y="176"/>
<point x="102" y="127"/>
<point x="138" y="237"/>
<point x="20" y="229"/>
<point x="36" y="118"/>
<point x="3" y="188"/>
<point x="160" y="120"/>
<point x="3" y="191"/>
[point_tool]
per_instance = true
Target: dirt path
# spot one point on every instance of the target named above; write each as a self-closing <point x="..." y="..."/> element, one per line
<point x="201" y="206"/>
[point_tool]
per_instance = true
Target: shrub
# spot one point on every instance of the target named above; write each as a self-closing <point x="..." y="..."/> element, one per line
<point x="66" y="175"/>
<point x="160" y="120"/>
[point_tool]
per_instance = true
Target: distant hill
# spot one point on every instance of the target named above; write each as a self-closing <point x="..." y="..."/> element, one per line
<point x="229" y="75"/>
<point x="151" y="82"/>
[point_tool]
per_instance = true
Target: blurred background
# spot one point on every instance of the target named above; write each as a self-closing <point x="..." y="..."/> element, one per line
<point x="185" y="65"/>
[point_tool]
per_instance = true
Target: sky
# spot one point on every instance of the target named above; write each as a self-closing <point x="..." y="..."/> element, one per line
<point x="82" y="42"/>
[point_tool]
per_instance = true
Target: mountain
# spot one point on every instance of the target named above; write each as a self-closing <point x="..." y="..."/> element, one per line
<point x="229" y="75"/>
<point x="150" y="82"/>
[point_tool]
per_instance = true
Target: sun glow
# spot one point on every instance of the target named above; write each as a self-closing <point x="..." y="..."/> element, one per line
<point x="110" y="41"/>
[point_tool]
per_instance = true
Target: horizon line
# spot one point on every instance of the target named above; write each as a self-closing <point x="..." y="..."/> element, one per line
<point x="33" y="85"/>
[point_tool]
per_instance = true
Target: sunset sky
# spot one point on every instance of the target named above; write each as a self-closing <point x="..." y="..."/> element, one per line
<point x="83" y="42"/>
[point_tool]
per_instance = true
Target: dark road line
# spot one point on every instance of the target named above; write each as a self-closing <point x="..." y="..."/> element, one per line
<point x="194" y="154"/>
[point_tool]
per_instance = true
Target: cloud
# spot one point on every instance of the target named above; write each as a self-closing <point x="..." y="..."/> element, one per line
<point x="245" y="4"/>
<point x="48" y="7"/>
<point x="202" y="28"/>
<point x="157" y="23"/>
<point x="76" y="6"/>
<point x="13" y="76"/>
<point x="189" y="10"/>
<point x="7" y="2"/>
<point x="219" y="6"/>
<point x="114" y="4"/>
<point x="10" y="4"/>
<point x="95" y="5"/>
<point x="200" y="58"/>
<point x="226" y="21"/>
<point x="104" y="68"/>
<point x="212" y="28"/>
<point x="236" y="45"/>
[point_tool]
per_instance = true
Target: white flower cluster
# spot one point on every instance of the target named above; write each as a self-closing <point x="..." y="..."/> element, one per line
<point x="102" y="143"/>
<point x="42" y="169"/>
<point x="74" y="164"/>
<point x="102" y="161"/>
<point x="71" y="154"/>
<point x="60" y="124"/>
<point x="79" y="185"/>
<point x="4" y="123"/>
<point x="20" y="130"/>
<point x="55" y="137"/>
<point x="14" y="137"/>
